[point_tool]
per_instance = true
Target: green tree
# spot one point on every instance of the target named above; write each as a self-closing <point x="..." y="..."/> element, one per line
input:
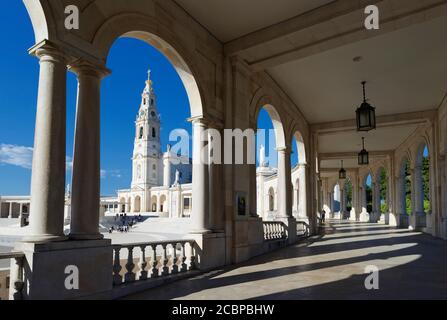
<point x="348" y="190"/>
<point x="408" y="187"/>
<point x="426" y="182"/>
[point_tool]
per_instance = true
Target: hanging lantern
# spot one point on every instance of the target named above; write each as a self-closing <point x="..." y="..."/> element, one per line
<point x="363" y="155"/>
<point x="342" y="172"/>
<point x="366" y="114"/>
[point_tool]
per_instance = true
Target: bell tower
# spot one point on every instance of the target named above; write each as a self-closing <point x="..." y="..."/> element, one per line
<point x="147" y="146"/>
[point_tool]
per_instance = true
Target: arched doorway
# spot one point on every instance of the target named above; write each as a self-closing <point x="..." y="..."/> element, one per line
<point x="137" y="204"/>
<point x="299" y="177"/>
<point x="382" y="196"/>
<point x="404" y="194"/>
<point x="336" y="201"/>
<point x="270" y="160"/>
<point x="348" y="198"/>
<point x="367" y="198"/>
<point x="422" y="195"/>
<point x="154" y="203"/>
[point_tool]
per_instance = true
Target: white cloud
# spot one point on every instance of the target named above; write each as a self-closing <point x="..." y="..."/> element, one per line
<point x="110" y="174"/>
<point x="69" y="163"/>
<point x="16" y="155"/>
<point x="22" y="156"/>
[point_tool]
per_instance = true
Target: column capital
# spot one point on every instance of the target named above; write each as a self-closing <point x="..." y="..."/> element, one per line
<point x="198" y="121"/>
<point x="283" y="150"/>
<point x="83" y="67"/>
<point x="48" y="51"/>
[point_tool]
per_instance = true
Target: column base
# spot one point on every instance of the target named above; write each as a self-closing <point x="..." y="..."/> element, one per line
<point x="404" y="220"/>
<point x="209" y="250"/>
<point x="43" y="238"/>
<point x="46" y="275"/>
<point x="365" y="217"/>
<point x="80" y="236"/>
<point x="418" y="221"/>
<point x="248" y="238"/>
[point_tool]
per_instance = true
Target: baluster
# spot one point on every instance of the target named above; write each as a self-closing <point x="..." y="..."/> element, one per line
<point x="117" y="278"/>
<point x="269" y="231"/>
<point x="183" y="258"/>
<point x="16" y="279"/>
<point x="154" y="261"/>
<point x="175" y="259"/>
<point x="142" y="264"/>
<point x="165" y="261"/>
<point x="130" y="275"/>
<point x="191" y="256"/>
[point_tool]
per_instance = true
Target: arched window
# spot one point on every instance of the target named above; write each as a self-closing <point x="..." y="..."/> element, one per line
<point x="154" y="133"/>
<point x="140" y="136"/>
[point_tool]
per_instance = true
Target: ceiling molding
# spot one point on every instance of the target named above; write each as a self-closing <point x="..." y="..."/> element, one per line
<point x="328" y="27"/>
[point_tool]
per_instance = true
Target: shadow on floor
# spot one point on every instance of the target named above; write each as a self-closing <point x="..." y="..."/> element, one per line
<point x="412" y="266"/>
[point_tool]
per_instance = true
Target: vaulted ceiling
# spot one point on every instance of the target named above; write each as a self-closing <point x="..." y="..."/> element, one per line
<point x="318" y="51"/>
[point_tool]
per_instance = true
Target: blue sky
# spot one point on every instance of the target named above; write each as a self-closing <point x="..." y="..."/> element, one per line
<point x="129" y="61"/>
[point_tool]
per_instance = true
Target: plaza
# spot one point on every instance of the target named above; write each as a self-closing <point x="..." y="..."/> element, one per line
<point x="354" y="174"/>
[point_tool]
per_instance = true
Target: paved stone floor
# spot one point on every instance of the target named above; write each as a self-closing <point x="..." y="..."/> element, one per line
<point x="412" y="266"/>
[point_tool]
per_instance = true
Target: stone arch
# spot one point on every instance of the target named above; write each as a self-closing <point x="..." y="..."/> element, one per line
<point x="367" y="198"/>
<point x="154" y="203"/>
<point x="38" y="12"/>
<point x="277" y="123"/>
<point x="139" y="26"/>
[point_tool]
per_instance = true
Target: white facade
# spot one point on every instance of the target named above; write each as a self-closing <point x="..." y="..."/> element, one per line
<point x="156" y="177"/>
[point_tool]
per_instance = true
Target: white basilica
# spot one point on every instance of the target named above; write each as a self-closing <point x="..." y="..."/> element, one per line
<point x="161" y="182"/>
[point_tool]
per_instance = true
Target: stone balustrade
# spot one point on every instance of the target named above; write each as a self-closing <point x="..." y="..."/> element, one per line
<point x="302" y="229"/>
<point x="274" y="230"/>
<point x="150" y="260"/>
<point x="16" y="274"/>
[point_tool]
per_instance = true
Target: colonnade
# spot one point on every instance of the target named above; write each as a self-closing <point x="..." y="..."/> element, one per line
<point x="48" y="174"/>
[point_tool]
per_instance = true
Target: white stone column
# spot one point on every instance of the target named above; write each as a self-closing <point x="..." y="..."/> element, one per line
<point x="302" y="190"/>
<point x="10" y="210"/>
<point x="284" y="194"/>
<point x="199" y="214"/>
<point x="284" y="184"/>
<point x="85" y="196"/>
<point x="48" y="170"/>
<point x="166" y="170"/>
<point x="342" y="203"/>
